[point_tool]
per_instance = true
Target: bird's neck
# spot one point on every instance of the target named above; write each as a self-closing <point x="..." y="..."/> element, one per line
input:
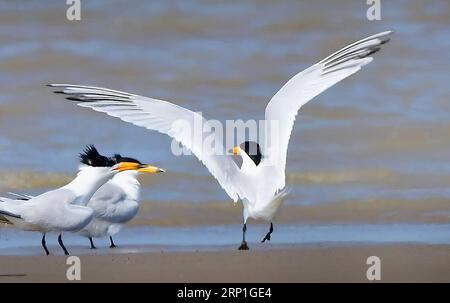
<point x="87" y="182"/>
<point x="129" y="183"/>
<point x="248" y="166"/>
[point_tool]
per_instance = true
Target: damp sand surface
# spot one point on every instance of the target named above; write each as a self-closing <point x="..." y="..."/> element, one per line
<point x="296" y="253"/>
<point x="314" y="263"/>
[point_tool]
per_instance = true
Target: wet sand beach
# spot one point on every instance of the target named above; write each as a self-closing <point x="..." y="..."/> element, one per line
<point x="399" y="263"/>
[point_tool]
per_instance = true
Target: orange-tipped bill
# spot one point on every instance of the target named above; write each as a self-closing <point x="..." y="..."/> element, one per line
<point x="236" y="150"/>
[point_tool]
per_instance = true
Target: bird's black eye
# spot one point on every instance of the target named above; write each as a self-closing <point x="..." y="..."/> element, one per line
<point x="253" y="150"/>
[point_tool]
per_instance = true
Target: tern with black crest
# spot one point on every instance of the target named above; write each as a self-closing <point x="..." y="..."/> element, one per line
<point x="116" y="202"/>
<point x="64" y="209"/>
<point x="260" y="182"/>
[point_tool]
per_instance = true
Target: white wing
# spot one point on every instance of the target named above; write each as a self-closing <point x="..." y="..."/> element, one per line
<point x="283" y="107"/>
<point x="164" y="117"/>
<point x="108" y="194"/>
<point x="109" y="204"/>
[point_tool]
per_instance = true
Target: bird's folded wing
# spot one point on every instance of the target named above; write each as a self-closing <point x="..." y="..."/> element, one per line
<point x="164" y="117"/>
<point x="106" y="200"/>
<point x="284" y="105"/>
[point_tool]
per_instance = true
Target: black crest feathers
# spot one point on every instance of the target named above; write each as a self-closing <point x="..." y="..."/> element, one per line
<point x="118" y="158"/>
<point x="92" y="157"/>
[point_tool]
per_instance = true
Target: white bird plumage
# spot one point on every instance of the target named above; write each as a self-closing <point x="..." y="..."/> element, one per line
<point x="114" y="204"/>
<point x="259" y="186"/>
<point x="60" y="210"/>
<point x="66" y="209"/>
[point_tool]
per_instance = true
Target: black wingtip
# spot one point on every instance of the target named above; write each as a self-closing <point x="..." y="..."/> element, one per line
<point x="73" y="99"/>
<point x="386" y="40"/>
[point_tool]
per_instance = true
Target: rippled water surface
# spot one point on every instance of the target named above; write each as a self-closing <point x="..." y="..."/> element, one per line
<point x="374" y="148"/>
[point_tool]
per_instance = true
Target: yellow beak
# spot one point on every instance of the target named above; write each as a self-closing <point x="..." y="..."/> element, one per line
<point x="123" y="166"/>
<point x="146" y="168"/>
<point x="236" y="150"/>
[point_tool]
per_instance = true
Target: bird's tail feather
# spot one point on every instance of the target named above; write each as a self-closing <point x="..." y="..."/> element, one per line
<point x="7" y="207"/>
<point x="270" y="210"/>
<point x="20" y="196"/>
<point x="9" y="214"/>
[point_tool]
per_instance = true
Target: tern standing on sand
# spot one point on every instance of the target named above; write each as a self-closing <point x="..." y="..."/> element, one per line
<point x="260" y="182"/>
<point x="116" y="202"/>
<point x="64" y="209"/>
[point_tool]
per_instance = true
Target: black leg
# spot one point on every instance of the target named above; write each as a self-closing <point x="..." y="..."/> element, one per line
<point x="267" y="237"/>
<point x="62" y="245"/>
<point x="92" y="243"/>
<point x="44" y="245"/>
<point x="244" y="245"/>
<point x="112" y="242"/>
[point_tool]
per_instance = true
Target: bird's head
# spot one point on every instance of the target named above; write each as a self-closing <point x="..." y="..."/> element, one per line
<point x="92" y="160"/>
<point x="95" y="162"/>
<point x="249" y="149"/>
<point x="133" y="165"/>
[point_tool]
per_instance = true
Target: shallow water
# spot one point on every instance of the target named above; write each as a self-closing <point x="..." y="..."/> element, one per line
<point x="144" y="239"/>
<point x="377" y="141"/>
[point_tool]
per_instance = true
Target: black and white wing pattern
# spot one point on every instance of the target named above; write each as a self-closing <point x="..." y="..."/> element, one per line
<point x="284" y="105"/>
<point x="164" y="117"/>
